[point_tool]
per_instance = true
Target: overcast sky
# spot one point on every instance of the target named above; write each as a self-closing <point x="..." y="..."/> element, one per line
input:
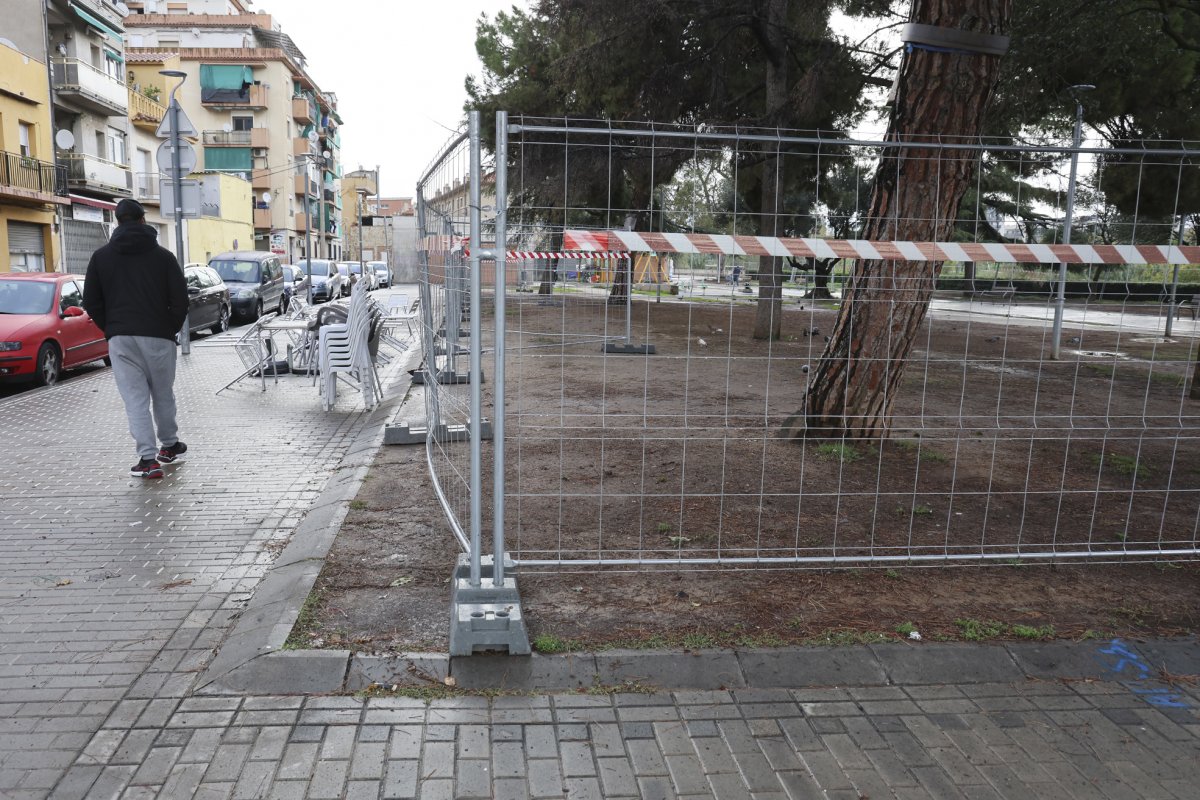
<point x="397" y="68"/>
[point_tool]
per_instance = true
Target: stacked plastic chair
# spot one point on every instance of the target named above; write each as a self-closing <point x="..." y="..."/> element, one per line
<point x="344" y="353"/>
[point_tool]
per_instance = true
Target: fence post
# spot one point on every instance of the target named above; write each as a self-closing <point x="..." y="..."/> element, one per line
<point x="485" y="616"/>
<point x="501" y="272"/>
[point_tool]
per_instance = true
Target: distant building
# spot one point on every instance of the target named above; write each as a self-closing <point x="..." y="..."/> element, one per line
<point x="32" y="186"/>
<point x="91" y="103"/>
<point x="258" y="113"/>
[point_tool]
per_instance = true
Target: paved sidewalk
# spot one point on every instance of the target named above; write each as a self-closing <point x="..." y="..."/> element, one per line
<point x="116" y="593"/>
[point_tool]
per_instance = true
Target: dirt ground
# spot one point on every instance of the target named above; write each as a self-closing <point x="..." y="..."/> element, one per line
<point x="992" y="447"/>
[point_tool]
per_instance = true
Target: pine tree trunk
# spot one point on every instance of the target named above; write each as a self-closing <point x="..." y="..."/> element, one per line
<point x="916" y="193"/>
<point x="768" y="319"/>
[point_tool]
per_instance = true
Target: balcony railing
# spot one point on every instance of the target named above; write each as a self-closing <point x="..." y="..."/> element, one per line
<point x="144" y="112"/>
<point x="262" y="217"/>
<point x="232" y="138"/>
<point x="93" y="88"/>
<point x="22" y="172"/>
<point x="145" y="186"/>
<point x="254" y="97"/>
<point x="302" y="110"/>
<point x="97" y="173"/>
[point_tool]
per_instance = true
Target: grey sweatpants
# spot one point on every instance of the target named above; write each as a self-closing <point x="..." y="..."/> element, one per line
<point x="144" y="368"/>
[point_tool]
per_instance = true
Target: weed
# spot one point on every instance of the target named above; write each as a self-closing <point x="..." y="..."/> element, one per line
<point x="905" y="628"/>
<point x="844" y="638"/>
<point x="698" y="641"/>
<point x="1030" y="632"/>
<point x="306" y="621"/>
<point x="761" y="640"/>
<point x="358" y="505"/>
<point x="664" y="527"/>
<point x="976" y="630"/>
<point x="932" y="456"/>
<point x="922" y="511"/>
<point x="841" y="452"/>
<point x="1122" y="465"/>
<point x="891" y="573"/>
<point x="629" y="687"/>
<point x="549" y="643"/>
<point x="1166" y="566"/>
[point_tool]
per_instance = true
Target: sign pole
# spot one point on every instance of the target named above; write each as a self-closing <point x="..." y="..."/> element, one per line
<point x="185" y="336"/>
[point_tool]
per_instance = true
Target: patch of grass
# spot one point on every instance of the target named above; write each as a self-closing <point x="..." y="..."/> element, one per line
<point x="1030" y="632"/>
<point x="978" y="630"/>
<point x="629" y="687"/>
<point x="922" y="511"/>
<point x="664" y="527"/>
<point x="358" y="505"/>
<point x="905" y="628"/>
<point x="1122" y="465"/>
<point x="761" y="640"/>
<point x="549" y="643"/>
<point x="840" y="452"/>
<point x="306" y="621"/>
<point x="699" y="641"/>
<point x="845" y="638"/>
<point x="932" y="456"/>
<point x="891" y="573"/>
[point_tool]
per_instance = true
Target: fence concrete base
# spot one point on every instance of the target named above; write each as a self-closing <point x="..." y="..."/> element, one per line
<point x="416" y="433"/>
<point x="486" y="617"/>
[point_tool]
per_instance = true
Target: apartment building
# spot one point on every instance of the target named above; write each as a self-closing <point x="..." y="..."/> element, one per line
<point x="258" y="112"/>
<point x="32" y="187"/>
<point x="90" y="103"/>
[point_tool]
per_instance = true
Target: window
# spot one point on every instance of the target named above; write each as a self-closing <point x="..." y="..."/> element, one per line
<point x="71" y="296"/>
<point x="25" y="134"/>
<point x="243" y="123"/>
<point x="114" y="65"/>
<point x="194" y="279"/>
<point x="116" y="146"/>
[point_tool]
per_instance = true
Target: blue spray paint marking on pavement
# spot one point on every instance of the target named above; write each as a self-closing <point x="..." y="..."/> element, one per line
<point x="1129" y="665"/>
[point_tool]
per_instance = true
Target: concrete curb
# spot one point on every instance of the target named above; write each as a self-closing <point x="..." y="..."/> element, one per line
<point x="893" y="664"/>
<point x="242" y="664"/>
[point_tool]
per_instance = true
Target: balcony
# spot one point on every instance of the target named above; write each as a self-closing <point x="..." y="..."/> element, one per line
<point x="90" y="88"/>
<point x="97" y="174"/>
<point x="255" y="97"/>
<point x="302" y="183"/>
<point x="262" y="217"/>
<point x="301" y="147"/>
<point x="302" y="110"/>
<point x="27" y="181"/>
<point x="144" y="112"/>
<point x="145" y="187"/>
<point x="300" y="223"/>
<point x="255" y="137"/>
<point x="260" y="179"/>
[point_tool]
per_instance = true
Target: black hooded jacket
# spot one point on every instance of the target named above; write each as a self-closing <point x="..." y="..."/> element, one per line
<point x="134" y="287"/>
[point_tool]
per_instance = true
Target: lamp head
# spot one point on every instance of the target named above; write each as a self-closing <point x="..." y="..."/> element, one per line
<point x="173" y="73"/>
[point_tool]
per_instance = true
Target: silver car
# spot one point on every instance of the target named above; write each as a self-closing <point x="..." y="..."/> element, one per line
<point x="326" y="281"/>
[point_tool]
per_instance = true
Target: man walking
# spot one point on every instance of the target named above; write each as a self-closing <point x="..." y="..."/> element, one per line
<point x="136" y="294"/>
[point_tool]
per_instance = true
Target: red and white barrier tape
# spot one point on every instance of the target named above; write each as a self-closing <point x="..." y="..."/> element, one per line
<point x="641" y="242"/>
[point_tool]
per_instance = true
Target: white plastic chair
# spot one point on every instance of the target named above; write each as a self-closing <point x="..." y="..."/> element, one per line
<point x="344" y="352"/>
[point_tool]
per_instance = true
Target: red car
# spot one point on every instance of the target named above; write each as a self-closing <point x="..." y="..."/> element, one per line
<point x="43" y="327"/>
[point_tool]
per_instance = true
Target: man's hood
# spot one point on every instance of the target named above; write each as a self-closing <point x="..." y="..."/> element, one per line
<point x="134" y="237"/>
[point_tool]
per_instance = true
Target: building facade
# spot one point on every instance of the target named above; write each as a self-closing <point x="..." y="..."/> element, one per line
<point x="86" y="40"/>
<point x="32" y="186"/>
<point x="258" y="113"/>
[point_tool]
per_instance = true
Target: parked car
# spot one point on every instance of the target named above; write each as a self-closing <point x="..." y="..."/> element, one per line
<point x="295" y="284"/>
<point x="209" y="305"/>
<point x="360" y="272"/>
<point x="326" y="280"/>
<point x="255" y="281"/>
<point x="44" y="328"/>
<point x="383" y="273"/>
<point x="348" y="277"/>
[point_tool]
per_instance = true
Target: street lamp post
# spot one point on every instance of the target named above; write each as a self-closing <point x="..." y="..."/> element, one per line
<point x="362" y="198"/>
<point x="1061" y="299"/>
<point x="177" y="176"/>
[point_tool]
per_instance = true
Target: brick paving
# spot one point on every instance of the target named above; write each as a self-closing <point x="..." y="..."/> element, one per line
<point x="114" y="594"/>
